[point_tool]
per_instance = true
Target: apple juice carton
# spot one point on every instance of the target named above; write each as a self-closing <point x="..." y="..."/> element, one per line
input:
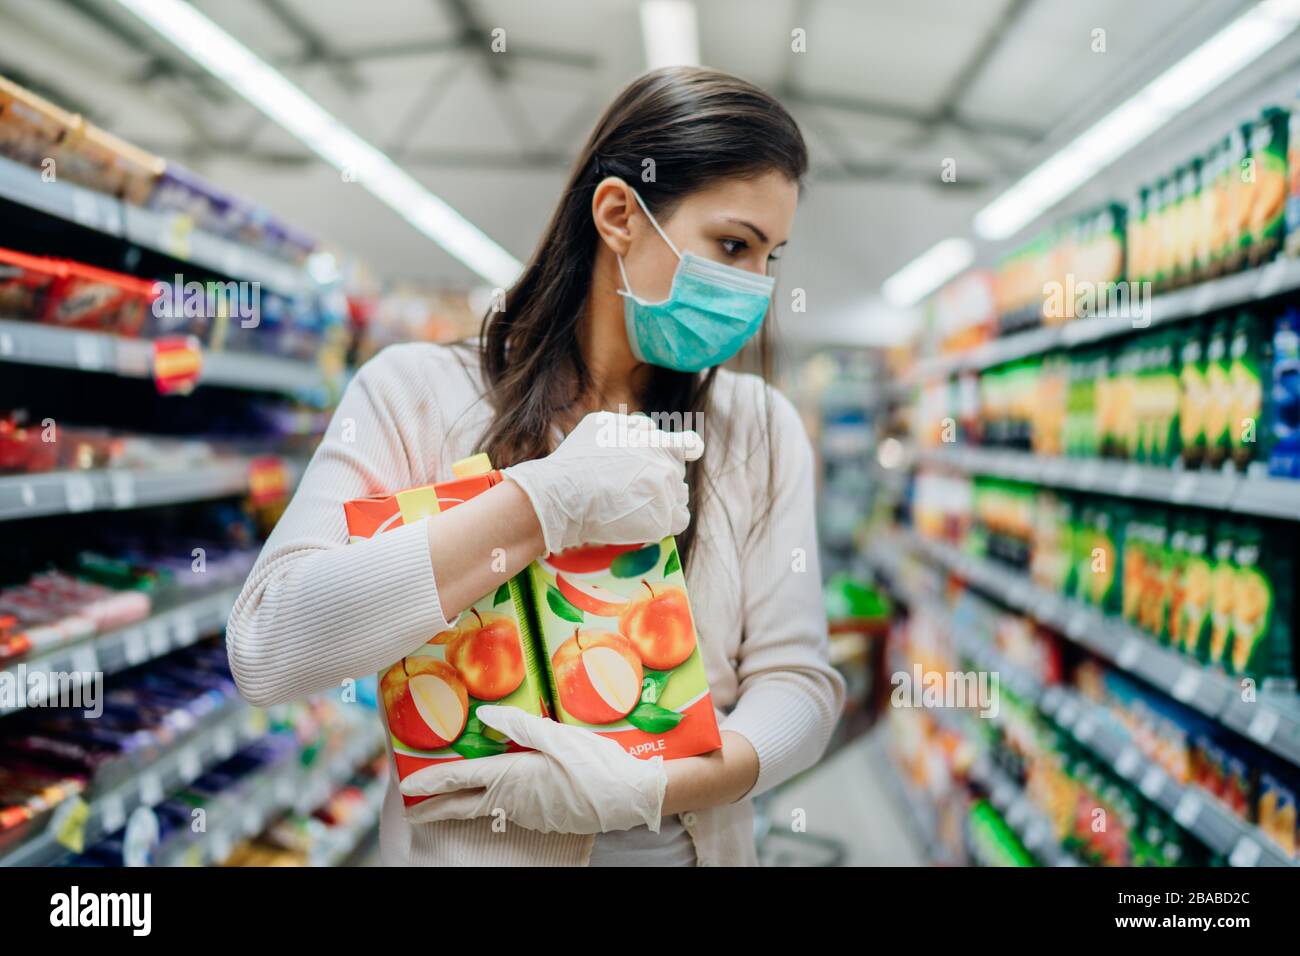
<point x="618" y="643"/>
<point x="431" y="695"/>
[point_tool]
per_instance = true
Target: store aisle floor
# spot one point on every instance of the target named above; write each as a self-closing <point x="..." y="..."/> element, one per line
<point x="845" y="799"/>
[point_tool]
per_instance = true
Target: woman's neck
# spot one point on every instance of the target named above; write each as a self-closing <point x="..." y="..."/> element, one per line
<point x="617" y="378"/>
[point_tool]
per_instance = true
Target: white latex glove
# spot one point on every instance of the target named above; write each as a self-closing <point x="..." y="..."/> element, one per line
<point x="615" y="479"/>
<point x="574" y="781"/>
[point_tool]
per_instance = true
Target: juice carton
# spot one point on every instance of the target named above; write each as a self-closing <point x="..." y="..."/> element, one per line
<point x="1266" y="220"/>
<point x="1284" y="401"/>
<point x="1261" y="608"/>
<point x="430" y="697"/>
<point x="618" y="643"/>
<point x="1250" y="361"/>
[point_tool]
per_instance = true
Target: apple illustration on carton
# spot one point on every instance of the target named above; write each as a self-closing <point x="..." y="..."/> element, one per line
<point x="485" y="649"/>
<point x="597" y="676"/>
<point x="426" y="702"/>
<point x="659" y="627"/>
<point x="591" y="598"/>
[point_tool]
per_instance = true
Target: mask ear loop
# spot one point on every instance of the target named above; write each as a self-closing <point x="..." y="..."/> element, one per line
<point x="663" y="235"/>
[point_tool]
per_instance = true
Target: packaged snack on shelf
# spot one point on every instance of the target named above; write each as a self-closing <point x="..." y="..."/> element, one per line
<point x="28" y="284"/>
<point x="90" y="298"/>
<point x="1193" y="395"/>
<point x="31" y="128"/>
<point x="1284" y="401"/>
<point x="1279" y="796"/>
<point x="430" y="696"/>
<point x="1266" y="190"/>
<point x="619" y="645"/>
<point x="1262" y="608"/>
<point x="1219" y="398"/>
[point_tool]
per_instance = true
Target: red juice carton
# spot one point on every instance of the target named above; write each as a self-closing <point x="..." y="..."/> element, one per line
<point x="619" y="647"/>
<point x="430" y="697"/>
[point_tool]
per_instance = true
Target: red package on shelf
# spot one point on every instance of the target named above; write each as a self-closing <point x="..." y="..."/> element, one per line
<point x="90" y="298"/>
<point x="28" y="284"/>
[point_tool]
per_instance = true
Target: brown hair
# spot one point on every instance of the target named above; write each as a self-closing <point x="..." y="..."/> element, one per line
<point x="698" y="126"/>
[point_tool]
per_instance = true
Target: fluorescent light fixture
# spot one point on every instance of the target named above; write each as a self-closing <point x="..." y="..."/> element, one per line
<point x="931" y="269"/>
<point x="670" y="33"/>
<point x="275" y="95"/>
<point x="1215" y="61"/>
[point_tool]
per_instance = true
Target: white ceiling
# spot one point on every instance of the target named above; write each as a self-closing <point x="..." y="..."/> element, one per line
<point x="885" y="92"/>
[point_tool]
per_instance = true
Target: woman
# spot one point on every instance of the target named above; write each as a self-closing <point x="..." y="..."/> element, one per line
<point x="653" y="271"/>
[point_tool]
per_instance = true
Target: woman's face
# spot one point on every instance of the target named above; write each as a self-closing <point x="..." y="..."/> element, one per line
<point x="738" y="222"/>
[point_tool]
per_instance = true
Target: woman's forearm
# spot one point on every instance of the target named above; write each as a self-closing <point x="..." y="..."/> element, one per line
<point x="480" y="544"/>
<point x="711" y="780"/>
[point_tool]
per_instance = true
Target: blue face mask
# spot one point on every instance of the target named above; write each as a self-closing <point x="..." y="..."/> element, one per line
<point x="710" y="313"/>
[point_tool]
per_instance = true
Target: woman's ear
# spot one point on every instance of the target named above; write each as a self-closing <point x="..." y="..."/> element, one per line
<point x="612" y="205"/>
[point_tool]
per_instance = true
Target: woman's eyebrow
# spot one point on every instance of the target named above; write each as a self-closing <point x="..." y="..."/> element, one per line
<point x="762" y="236"/>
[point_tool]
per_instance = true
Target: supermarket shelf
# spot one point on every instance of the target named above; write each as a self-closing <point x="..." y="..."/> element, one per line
<point x="1266" y="497"/>
<point x="171" y="234"/>
<point x="32" y="343"/>
<point x="344" y="844"/>
<point x="215" y="739"/>
<point x="916" y="807"/>
<point x="289" y="786"/>
<point x="116" y="650"/>
<point x="1279" y="276"/>
<point x="1273" y="724"/>
<point x="1193" y="809"/>
<point x="114" y="489"/>
<point x="1025" y="819"/>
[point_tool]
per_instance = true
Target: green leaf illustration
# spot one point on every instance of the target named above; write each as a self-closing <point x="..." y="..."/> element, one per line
<point x="503" y="594"/>
<point x="652" y="685"/>
<point x="674" y="564"/>
<point x="471" y="746"/>
<point x="631" y="564"/>
<point x="654" y="719"/>
<point x="560" y="605"/>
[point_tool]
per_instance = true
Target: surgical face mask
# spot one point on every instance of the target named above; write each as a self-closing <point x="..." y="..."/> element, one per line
<point x="710" y="313"/>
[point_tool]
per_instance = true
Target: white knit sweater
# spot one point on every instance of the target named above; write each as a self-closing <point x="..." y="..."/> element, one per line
<point x="315" y="613"/>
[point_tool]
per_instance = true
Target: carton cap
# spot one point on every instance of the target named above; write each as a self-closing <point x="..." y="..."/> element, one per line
<point x="479" y="464"/>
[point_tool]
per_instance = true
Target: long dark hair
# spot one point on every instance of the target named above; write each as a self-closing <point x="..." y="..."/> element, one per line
<point x="698" y="126"/>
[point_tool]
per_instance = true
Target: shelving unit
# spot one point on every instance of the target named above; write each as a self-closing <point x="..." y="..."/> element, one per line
<point x="1241" y="494"/>
<point x="113" y="651"/>
<point x="170" y="234"/>
<point x="1193" y="809"/>
<point x="33" y="344"/>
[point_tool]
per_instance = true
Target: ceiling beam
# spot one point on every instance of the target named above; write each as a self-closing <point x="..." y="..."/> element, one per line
<point x="315" y="45"/>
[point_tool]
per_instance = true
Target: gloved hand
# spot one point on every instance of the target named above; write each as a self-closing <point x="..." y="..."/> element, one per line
<point x="615" y="479"/>
<point x="574" y="781"/>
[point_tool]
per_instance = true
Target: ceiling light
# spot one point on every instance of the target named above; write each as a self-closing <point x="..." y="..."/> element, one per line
<point x="931" y="269"/>
<point x="1215" y="61"/>
<point x="670" y="33"/>
<point x="275" y="95"/>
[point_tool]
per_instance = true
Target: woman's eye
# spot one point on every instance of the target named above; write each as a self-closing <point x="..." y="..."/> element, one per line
<point x="733" y="247"/>
<point x="775" y="255"/>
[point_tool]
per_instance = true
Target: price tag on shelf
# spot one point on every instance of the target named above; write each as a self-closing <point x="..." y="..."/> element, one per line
<point x="68" y="824"/>
<point x="112" y="813"/>
<point x="1203" y="299"/>
<point x="189" y="764"/>
<point x="159" y="640"/>
<point x="220" y="844"/>
<point x="1153" y="781"/>
<point x="1077" y="625"/>
<point x="268" y="480"/>
<point x="88" y="353"/>
<point x="1187" y="684"/>
<point x="177" y="364"/>
<point x="1130" y="480"/>
<point x="86" y="209"/>
<point x="223" y="741"/>
<point x="85" y="661"/>
<point x="1184" y="488"/>
<point x="122" y="487"/>
<point x="1246" y="853"/>
<point x="1129" y="652"/>
<point x="256" y="724"/>
<point x="79" y="493"/>
<point x="1270" y="279"/>
<point x="141" y="838"/>
<point x="1188" y="810"/>
<point x="1263" y="726"/>
<point x="1128" y="763"/>
<point x="6" y="344"/>
<point x="1084" y="729"/>
<point x="184" y="627"/>
<point x="28" y="494"/>
<point x="151" y="791"/>
<point x="135" y="646"/>
<point x="176" y="236"/>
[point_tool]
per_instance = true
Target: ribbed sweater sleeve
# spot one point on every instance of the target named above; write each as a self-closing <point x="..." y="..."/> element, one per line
<point x="316" y="610"/>
<point x="790" y="697"/>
